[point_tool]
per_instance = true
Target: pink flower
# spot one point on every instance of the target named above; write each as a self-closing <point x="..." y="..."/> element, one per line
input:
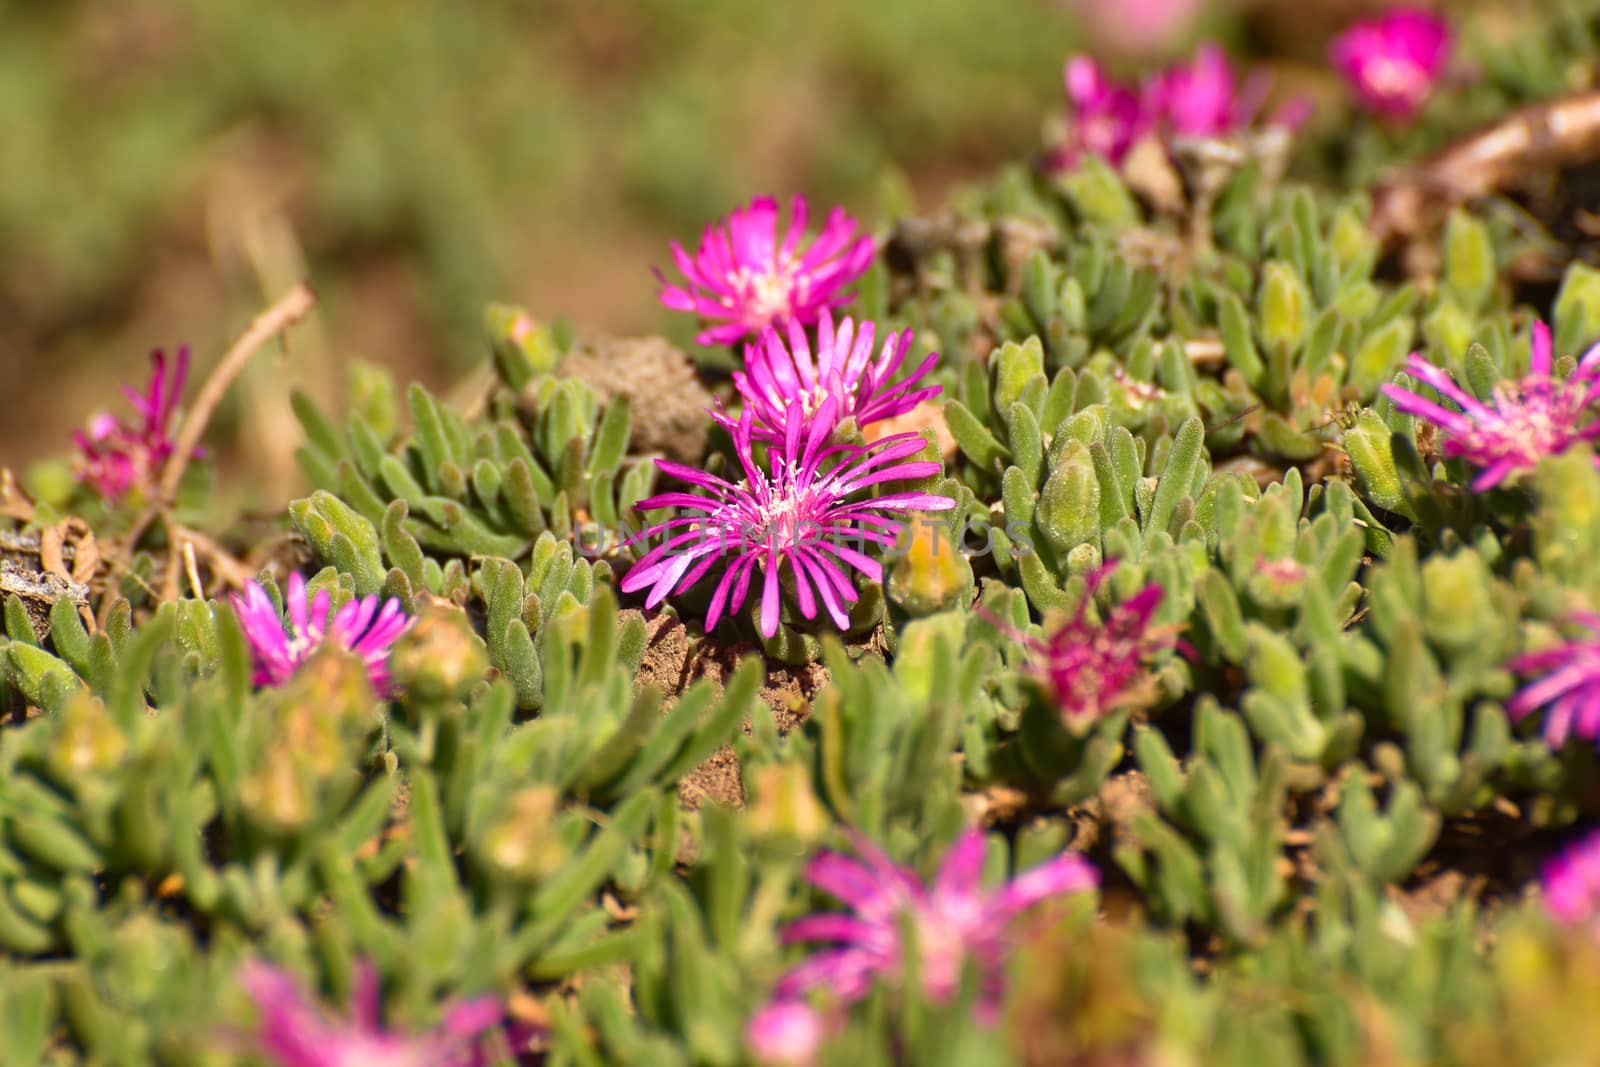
<point x="359" y="627"/>
<point x="785" y="1033"/>
<point x="1136" y="25"/>
<point x="1202" y="99"/>
<point x="1569" y="691"/>
<point x="295" y="1031"/>
<point x="1104" y="117"/>
<point x="1572" y="885"/>
<point x="116" y="456"/>
<point x="744" y="281"/>
<point x="777" y="376"/>
<point x="1393" y="62"/>
<point x="955" y="920"/>
<point x="1525" y="420"/>
<point x="1096" y="668"/>
<point x="797" y="512"/>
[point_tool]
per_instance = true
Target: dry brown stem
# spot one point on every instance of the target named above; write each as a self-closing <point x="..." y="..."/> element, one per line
<point x="290" y="309"/>
<point x="1531" y="140"/>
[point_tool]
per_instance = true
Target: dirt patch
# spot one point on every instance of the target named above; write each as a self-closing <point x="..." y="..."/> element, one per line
<point x="719" y="779"/>
<point x="666" y="398"/>
<point x="1492" y="857"/>
<point x="674" y="660"/>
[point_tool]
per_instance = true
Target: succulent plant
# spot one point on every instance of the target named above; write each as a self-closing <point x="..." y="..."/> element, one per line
<point x="1258" y="575"/>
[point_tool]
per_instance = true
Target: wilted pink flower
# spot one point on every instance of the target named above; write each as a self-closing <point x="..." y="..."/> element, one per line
<point x="955" y="920"/>
<point x="799" y="513"/>
<point x="1525" y="420"/>
<point x="1572" y="885"/>
<point x="1393" y="62"/>
<point x="296" y="1031"/>
<point x="1569" y="689"/>
<point x="116" y="456"/>
<point x="785" y="1033"/>
<point x="744" y="281"/>
<point x="1202" y="98"/>
<point x="777" y="376"/>
<point x="359" y="627"/>
<point x="1104" y="117"/>
<point x="1099" y="667"/>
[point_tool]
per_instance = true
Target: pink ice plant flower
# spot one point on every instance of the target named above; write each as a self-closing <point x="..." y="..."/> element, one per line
<point x="116" y="456"/>
<point x="296" y="1031"/>
<point x="360" y="626"/>
<point x="954" y="920"/>
<point x="1393" y="62"/>
<point x="1104" y="117"/>
<point x="1568" y="688"/>
<point x="1199" y="99"/>
<point x="1203" y="99"/>
<point x="1571" y="882"/>
<point x="779" y="375"/>
<point x="1523" y="422"/>
<point x="798" y="511"/>
<point x="742" y="280"/>
<point x="1096" y="668"/>
<point x="786" y="1033"/>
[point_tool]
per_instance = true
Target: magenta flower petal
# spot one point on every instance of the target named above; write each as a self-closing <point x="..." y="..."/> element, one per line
<point x="1067" y="873"/>
<point x="955" y="921"/>
<point x="800" y="512"/>
<point x="1204" y="99"/>
<point x="1524" y="421"/>
<point x="1571" y="883"/>
<point x="1097" y="668"/>
<point x="743" y="280"/>
<point x="778" y="374"/>
<point x="1567" y="687"/>
<point x="359" y="627"/>
<point x="786" y="1033"/>
<point x="296" y="1031"/>
<point x="116" y="456"/>
<point x="1199" y="99"/>
<point x="1394" y="62"/>
<point x="1104" y="117"/>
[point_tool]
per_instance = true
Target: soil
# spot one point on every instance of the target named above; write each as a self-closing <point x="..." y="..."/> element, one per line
<point x="673" y="661"/>
<point x="666" y="398"/>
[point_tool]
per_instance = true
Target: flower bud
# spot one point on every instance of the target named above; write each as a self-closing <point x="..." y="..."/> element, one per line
<point x="281" y="795"/>
<point x="522" y="843"/>
<point x="931" y="573"/>
<point x="439" y="659"/>
<point x="87" y="740"/>
<point x="325" y="711"/>
<point x="522" y="348"/>
<point x="783" y="804"/>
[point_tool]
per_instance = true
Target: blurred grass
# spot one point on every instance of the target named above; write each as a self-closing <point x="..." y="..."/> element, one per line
<point x="168" y="162"/>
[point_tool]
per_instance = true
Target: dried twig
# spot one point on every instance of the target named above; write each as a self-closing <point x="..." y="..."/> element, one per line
<point x="14" y="503"/>
<point x="233" y="572"/>
<point x="192" y="569"/>
<point x="288" y="311"/>
<point x="293" y="307"/>
<point x="1532" y="140"/>
<point x="285" y="313"/>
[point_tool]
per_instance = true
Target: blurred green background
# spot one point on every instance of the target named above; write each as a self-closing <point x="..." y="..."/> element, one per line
<point x="171" y="165"/>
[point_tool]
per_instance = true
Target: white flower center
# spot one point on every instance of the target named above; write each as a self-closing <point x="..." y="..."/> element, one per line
<point x="769" y="295"/>
<point x="1394" y="77"/>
